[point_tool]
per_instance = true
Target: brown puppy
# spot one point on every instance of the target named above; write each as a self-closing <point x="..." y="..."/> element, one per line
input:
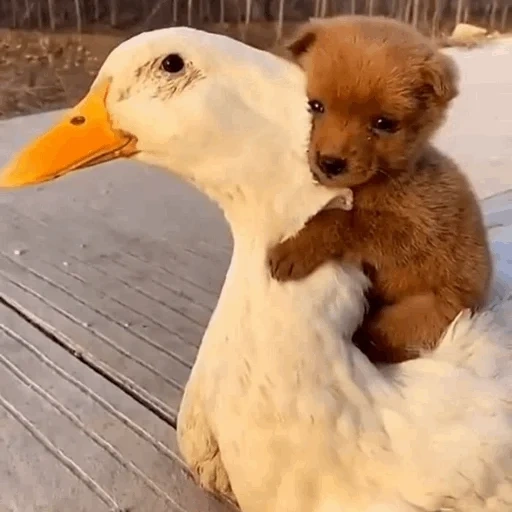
<point x="379" y="90"/>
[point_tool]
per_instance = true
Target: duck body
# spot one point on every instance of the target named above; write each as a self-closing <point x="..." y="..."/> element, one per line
<point x="305" y="423"/>
<point x="281" y="412"/>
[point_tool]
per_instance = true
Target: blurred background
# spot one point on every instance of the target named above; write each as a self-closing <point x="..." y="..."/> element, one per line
<point x="51" y="49"/>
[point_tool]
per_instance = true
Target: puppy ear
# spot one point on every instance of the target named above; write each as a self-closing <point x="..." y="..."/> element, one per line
<point x="302" y="41"/>
<point x="441" y="75"/>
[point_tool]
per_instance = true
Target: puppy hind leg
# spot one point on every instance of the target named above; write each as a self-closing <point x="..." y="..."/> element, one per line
<point x="403" y="330"/>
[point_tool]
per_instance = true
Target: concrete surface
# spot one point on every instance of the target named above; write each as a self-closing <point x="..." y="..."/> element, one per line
<point x="107" y="281"/>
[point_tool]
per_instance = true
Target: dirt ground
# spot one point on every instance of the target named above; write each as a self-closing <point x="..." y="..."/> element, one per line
<point x="40" y="72"/>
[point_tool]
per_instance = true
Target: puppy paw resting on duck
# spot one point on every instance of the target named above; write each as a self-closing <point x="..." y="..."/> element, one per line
<point x="296" y="257"/>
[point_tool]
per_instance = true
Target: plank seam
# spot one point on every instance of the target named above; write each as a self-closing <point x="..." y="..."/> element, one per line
<point x="91" y="329"/>
<point x="158" y="301"/>
<point x="165" y="328"/>
<point x="94" y="436"/>
<point x="126" y="242"/>
<point x="108" y="373"/>
<point x="60" y="455"/>
<point x="125" y="420"/>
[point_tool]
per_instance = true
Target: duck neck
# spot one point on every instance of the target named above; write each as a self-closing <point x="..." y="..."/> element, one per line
<point x="266" y="211"/>
<point x="298" y="335"/>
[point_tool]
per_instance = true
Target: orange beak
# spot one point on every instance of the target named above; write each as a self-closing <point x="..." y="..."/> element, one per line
<point x="84" y="137"/>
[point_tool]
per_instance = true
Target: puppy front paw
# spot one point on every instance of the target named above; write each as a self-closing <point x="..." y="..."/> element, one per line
<point x="287" y="263"/>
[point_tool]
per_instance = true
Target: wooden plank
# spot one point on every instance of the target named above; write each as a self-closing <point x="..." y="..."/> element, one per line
<point x="133" y="303"/>
<point x="29" y="477"/>
<point x="75" y="440"/>
<point x="140" y="349"/>
<point x="107" y="281"/>
<point x="141" y="376"/>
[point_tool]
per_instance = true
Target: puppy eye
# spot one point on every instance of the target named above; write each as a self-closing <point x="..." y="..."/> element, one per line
<point x="173" y="63"/>
<point x="385" y="124"/>
<point x="316" y="106"/>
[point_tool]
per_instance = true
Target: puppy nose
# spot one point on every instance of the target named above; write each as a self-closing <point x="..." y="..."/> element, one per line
<point x="331" y="165"/>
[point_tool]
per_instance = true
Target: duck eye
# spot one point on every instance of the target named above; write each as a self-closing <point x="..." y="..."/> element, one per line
<point x="173" y="63"/>
<point x="385" y="124"/>
<point x="316" y="106"/>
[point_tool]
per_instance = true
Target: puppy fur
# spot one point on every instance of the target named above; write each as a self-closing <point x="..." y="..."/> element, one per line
<point x="379" y="90"/>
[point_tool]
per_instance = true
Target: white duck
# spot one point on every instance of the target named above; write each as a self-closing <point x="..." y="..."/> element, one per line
<point x="280" y="403"/>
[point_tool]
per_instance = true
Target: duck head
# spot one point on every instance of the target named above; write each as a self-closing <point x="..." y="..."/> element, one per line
<point x="231" y="119"/>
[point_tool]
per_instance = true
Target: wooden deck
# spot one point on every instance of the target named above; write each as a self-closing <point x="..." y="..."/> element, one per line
<point x="107" y="281"/>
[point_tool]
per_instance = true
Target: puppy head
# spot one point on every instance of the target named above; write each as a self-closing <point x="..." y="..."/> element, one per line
<point x="378" y="91"/>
